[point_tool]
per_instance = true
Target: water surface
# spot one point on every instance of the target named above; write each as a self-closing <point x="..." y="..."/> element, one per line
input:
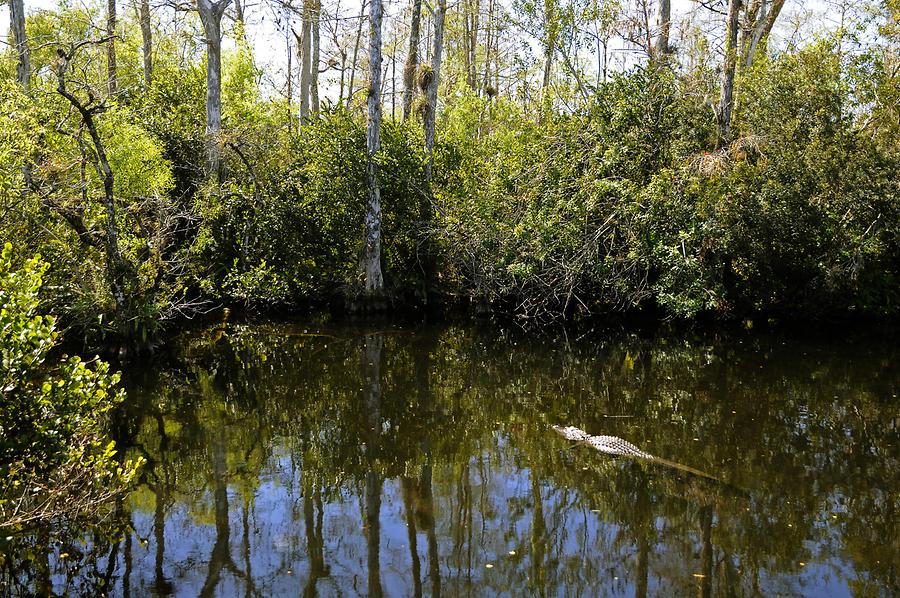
<point x="341" y="461"/>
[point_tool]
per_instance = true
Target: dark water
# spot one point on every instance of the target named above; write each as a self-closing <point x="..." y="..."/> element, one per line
<point x="288" y="460"/>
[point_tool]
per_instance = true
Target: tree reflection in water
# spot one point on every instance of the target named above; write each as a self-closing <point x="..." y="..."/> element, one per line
<point x="285" y="461"/>
<point x="373" y="346"/>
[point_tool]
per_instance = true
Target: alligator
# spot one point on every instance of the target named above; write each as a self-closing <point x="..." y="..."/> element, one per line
<point x="613" y="445"/>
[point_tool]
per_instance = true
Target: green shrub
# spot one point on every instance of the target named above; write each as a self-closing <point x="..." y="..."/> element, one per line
<point x="300" y="238"/>
<point x="55" y="460"/>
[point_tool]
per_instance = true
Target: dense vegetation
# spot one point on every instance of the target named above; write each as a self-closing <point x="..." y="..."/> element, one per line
<point x="565" y="197"/>
<point x="55" y="460"/>
<point x="730" y="168"/>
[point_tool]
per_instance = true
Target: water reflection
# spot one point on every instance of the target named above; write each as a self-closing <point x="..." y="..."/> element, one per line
<point x="284" y="460"/>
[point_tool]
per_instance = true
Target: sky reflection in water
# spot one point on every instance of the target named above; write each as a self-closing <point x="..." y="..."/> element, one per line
<point x="288" y="459"/>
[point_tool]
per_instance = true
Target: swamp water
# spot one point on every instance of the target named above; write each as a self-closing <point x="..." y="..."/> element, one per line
<point x="337" y="461"/>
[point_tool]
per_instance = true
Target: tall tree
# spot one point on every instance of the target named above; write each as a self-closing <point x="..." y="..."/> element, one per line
<point x="663" y="25"/>
<point x="412" y="59"/>
<point x="472" y="10"/>
<point x="489" y="41"/>
<point x="17" y="25"/>
<point x="211" y="17"/>
<point x="315" y="19"/>
<point x="305" y="55"/>
<point x="551" y="34"/>
<point x="111" y="70"/>
<point x="757" y="24"/>
<point x="431" y="88"/>
<point x="370" y="260"/>
<point x="289" y="92"/>
<point x="726" y="99"/>
<point x="147" y="41"/>
<point x="116" y="267"/>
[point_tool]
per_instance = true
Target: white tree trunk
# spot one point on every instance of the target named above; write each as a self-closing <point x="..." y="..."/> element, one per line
<point x="432" y="91"/>
<point x="314" y="57"/>
<point x="761" y="18"/>
<point x="211" y="17"/>
<point x="663" y="25"/>
<point x="370" y="261"/>
<point x="305" y="59"/>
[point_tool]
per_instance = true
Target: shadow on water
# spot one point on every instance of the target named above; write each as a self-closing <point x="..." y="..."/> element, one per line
<point x="284" y="460"/>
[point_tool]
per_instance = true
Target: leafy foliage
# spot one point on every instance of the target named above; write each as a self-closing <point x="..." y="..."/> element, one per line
<point x="295" y="231"/>
<point x="54" y="458"/>
<point x="617" y="202"/>
<point x="625" y="205"/>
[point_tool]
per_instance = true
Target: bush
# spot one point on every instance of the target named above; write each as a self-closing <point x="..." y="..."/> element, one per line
<point x="628" y="205"/>
<point x="550" y="227"/>
<point x="55" y="461"/>
<point x="800" y="215"/>
<point x="295" y="233"/>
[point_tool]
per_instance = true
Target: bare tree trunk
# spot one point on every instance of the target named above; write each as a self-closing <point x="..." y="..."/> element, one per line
<point x="648" y="34"/>
<point x="23" y="66"/>
<point x="147" y="39"/>
<point x="550" y="43"/>
<point x="362" y="14"/>
<point x="305" y="59"/>
<point x="432" y="91"/>
<point x="472" y="75"/>
<point x="726" y="100"/>
<point x="211" y="17"/>
<point x="487" y="49"/>
<point x="290" y="76"/>
<point x="315" y="18"/>
<point x="239" y="15"/>
<point x="412" y="59"/>
<point x="394" y="84"/>
<point x="763" y="41"/>
<point x="497" y="41"/>
<point x="370" y="261"/>
<point x="111" y="71"/>
<point x="343" y="75"/>
<point x="761" y="17"/>
<point x="664" y="24"/>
